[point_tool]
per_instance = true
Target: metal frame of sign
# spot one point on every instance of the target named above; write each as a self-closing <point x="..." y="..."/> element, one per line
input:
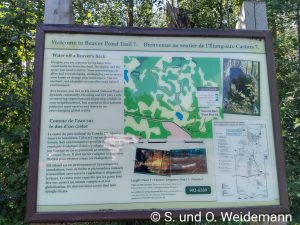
<point x="31" y="211"/>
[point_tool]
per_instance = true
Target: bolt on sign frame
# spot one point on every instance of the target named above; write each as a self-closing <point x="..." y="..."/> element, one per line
<point x="127" y="121"/>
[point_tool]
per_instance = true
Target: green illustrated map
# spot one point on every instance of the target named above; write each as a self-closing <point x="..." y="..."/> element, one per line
<point x="161" y="99"/>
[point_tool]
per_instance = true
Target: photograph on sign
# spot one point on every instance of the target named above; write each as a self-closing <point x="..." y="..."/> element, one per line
<point x="141" y="122"/>
<point x="241" y="86"/>
<point x="149" y="161"/>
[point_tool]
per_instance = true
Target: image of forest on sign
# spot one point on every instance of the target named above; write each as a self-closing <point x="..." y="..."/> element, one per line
<point x="241" y="87"/>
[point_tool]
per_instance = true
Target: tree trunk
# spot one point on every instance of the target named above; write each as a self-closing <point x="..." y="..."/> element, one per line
<point x="274" y="25"/>
<point x="27" y="61"/>
<point x="298" y="27"/>
<point x="130" y="13"/>
<point x="228" y="14"/>
<point x="221" y="14"/>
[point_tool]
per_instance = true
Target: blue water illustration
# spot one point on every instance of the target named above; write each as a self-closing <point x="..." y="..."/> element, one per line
<point x="179" y="115"/>
<point x="126" y="76"/>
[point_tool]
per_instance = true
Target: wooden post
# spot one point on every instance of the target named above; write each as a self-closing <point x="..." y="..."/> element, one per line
<point x="58" y="12"/>
<point x="253" y="16"/>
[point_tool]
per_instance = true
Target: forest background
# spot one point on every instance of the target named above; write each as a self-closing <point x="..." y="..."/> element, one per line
<point x="18" y="20"/>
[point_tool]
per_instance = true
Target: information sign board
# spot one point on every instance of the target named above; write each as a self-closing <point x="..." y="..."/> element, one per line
<point x="129" y="120"/>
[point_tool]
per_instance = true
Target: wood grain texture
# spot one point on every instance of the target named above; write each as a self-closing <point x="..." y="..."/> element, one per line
<point x="253" y="16"/>
<point x="58" y="12"/>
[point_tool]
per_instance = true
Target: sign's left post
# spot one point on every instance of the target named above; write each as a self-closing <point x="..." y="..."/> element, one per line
<point x="58" y="12"/>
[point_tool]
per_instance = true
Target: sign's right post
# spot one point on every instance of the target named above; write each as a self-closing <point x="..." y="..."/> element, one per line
<point x="253" y="16"/>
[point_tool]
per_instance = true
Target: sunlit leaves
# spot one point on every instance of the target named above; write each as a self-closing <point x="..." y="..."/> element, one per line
<point x="283" y="22"/>
<point x="18" y="20"/>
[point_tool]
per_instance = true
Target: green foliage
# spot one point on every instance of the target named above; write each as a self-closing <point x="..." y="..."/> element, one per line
<point x="104" y="12"/>
<point x="17" y="28"/>
<point x="18" y="19"/>
<point x="283" y="22"/>
<point x="210" y="14"/>
<point x="118" y="12"/>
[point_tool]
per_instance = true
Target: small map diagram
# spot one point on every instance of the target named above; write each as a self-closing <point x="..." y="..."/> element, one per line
<point x="160" y="96"/>
<point x="250" y="163"/>
<point x="243" y="163"/>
